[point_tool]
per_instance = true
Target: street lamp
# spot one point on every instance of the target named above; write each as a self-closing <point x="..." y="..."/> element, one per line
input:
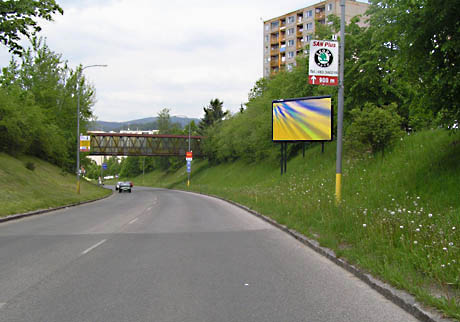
<point x="78" y="121"/>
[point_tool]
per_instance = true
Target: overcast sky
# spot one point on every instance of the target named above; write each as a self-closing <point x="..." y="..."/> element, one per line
<point x="164" y="54"/>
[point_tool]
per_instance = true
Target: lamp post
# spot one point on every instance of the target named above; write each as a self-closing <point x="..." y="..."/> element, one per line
<point x="78" y="121"/>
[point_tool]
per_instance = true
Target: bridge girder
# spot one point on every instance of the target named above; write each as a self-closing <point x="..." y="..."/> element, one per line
<point x="144" y="144"/>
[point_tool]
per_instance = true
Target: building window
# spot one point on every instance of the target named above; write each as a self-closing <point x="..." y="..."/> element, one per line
<point x="274" y="24"/>
<point x="290" y="54"/>
<point x="266" y="38"/>
<point x="329" y="7"/>
<point x="267" y="27"/>
<point x="309" y="14"/>
<point x="309" y="26"/>
<point x="290" y="43"/>
<point x="291" y="19"/>
<point x="307" y="38"/>
<point x="290" y="31"/>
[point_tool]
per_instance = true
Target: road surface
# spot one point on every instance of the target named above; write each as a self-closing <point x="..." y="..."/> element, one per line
<point x="160" y="255"/>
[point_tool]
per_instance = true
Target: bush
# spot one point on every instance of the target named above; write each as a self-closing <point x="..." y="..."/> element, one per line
<point x="30" y="165"/>
<point x="373" y="129"/>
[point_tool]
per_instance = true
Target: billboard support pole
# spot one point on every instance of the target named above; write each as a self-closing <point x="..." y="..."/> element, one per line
<point x="281" y="160"/>
<point x="285" y="157"/>
<point x="338" y="175"/>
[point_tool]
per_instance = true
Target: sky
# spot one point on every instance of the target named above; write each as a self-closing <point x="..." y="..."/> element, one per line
<point x="171" y="54"/>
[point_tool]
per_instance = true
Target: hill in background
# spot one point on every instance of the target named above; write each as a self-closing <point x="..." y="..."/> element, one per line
<point x="148" y="123"/>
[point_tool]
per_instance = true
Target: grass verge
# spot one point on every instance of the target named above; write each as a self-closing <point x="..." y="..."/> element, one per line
<point x="398" y="220"/>
<point x="28" y="184"/>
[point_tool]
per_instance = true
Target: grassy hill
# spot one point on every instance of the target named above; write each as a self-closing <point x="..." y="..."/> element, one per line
<point x="22" y="189"/>
<point x="399" y="218"/>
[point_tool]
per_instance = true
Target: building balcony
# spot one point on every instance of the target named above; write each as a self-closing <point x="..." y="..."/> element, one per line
<point x="274" y="40"/>
<point x="320" y="15"/>
<point x="274" y="63"/>
<point x="274" y="52"/>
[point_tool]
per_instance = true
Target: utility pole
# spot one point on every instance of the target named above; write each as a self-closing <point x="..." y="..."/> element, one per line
<point x="338" y="175"/>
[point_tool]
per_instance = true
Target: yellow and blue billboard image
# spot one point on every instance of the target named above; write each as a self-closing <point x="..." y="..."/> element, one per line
<point x="302" y="119"/>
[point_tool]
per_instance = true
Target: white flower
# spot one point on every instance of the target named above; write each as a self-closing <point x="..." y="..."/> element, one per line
<point x="444" y="248"/>
<point x="453" y="228"/>
<point x="417" y="229"/>
<point x="442" y="265"/>
<point x="364" y="225"/>
<point x="430" y="215"/>
<point x="401" y="227"/>
<point x="415" y="242"/>
<point x="451" y="244"/>
<point x="392" y="212"/>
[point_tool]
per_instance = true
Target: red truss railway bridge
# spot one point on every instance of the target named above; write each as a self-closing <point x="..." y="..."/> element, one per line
<point x="130" y="144"/>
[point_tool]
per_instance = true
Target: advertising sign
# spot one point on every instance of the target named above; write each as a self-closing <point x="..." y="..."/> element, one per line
<point x="188" y="156"/>
<point x="189" y="166"/>
<point x="302" y="119"/>
<point x="84" y="143"/>
<point x="323" y="63"/>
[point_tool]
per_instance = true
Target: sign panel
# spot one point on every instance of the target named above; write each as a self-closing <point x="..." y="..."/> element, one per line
<point x="302" y="119"/>
<point x="188" y="156"/>
<point x="323" y="67"/>
<point x="84" y="143"/>
<point x="189" y="166"/>
<point x="104" y="166"/>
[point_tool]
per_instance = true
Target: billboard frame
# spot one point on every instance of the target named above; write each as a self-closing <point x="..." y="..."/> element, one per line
<point x="303" y="99"/>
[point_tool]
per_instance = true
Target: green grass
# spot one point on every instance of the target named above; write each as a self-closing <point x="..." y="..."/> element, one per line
<point x="23" y="190"/>
<point x="399" y="217"/>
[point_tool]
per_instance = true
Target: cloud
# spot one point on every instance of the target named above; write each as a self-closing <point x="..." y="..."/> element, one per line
<point x="175" y="54"/>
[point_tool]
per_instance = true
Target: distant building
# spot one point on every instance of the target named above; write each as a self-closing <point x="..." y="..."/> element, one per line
<point x="286" y="36"/>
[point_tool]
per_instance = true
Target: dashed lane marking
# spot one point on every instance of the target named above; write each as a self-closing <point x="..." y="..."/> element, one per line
<point x="94" y="246"/>
<point x="132" y="221"/>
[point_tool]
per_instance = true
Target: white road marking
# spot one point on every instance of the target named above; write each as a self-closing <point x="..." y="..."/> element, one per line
<point x="132" y="221"/>
<point x="94" y="246"/>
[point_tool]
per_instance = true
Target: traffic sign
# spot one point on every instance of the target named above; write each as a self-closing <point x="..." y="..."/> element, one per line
<point x="104" y="166"/>
<point x="323" y="66"/>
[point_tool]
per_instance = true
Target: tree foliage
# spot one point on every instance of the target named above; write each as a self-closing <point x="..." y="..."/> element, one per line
<point x="38" y="108"/>
<point x="19" y="17"/>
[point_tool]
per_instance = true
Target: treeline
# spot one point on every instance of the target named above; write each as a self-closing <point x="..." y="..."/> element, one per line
<point x="38" y="106"/>
<point x="401" y="75"/>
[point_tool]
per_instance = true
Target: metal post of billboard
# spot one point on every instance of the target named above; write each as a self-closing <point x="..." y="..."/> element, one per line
<point x="338" y="175"/>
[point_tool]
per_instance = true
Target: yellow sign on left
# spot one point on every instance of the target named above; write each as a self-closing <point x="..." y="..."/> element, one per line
<point x="85" y="143"/>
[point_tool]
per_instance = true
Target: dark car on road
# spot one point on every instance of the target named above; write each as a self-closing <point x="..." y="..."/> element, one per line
<point x="124" y="186"/>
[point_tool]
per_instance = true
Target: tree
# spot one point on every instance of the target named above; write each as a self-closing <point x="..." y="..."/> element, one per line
<point x="212" y="113"/>
<point x="19" y="17"/>
<point x="425" y="35"/>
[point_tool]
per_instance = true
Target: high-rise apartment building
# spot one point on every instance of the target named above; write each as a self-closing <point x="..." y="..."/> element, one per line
<point x="286" y="36"/>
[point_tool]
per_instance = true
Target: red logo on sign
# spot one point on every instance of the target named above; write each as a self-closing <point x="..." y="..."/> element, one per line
<point x="188" y="154"/>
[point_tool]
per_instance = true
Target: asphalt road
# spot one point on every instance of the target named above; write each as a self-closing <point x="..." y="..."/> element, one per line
<point x="159" y="255"/>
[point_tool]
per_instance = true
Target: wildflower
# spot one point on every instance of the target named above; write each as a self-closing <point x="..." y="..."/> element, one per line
<point x="442" y="265"/>
<point x="392" y="212"/>
<point x="444" y="249"/>
<point x="364" y="225"/>
<point x="430" y="215"/>
<point x="409" y="212"/>
<point x="417" y="229"/>
<point x="401" y="227"/>
<point x="453" y="228"/>
<point x="451" y="244"/>
<point x="418" y="197"/>
<point x="415" y="242"/>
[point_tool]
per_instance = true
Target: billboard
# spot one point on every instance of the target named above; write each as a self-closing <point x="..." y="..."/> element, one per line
<point x="85" y="143"/>
<point x="302" y="119"/>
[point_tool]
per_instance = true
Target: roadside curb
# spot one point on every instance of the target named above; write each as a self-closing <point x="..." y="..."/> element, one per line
<point x="401" y="298"/>
<point x="43" y="211"/>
